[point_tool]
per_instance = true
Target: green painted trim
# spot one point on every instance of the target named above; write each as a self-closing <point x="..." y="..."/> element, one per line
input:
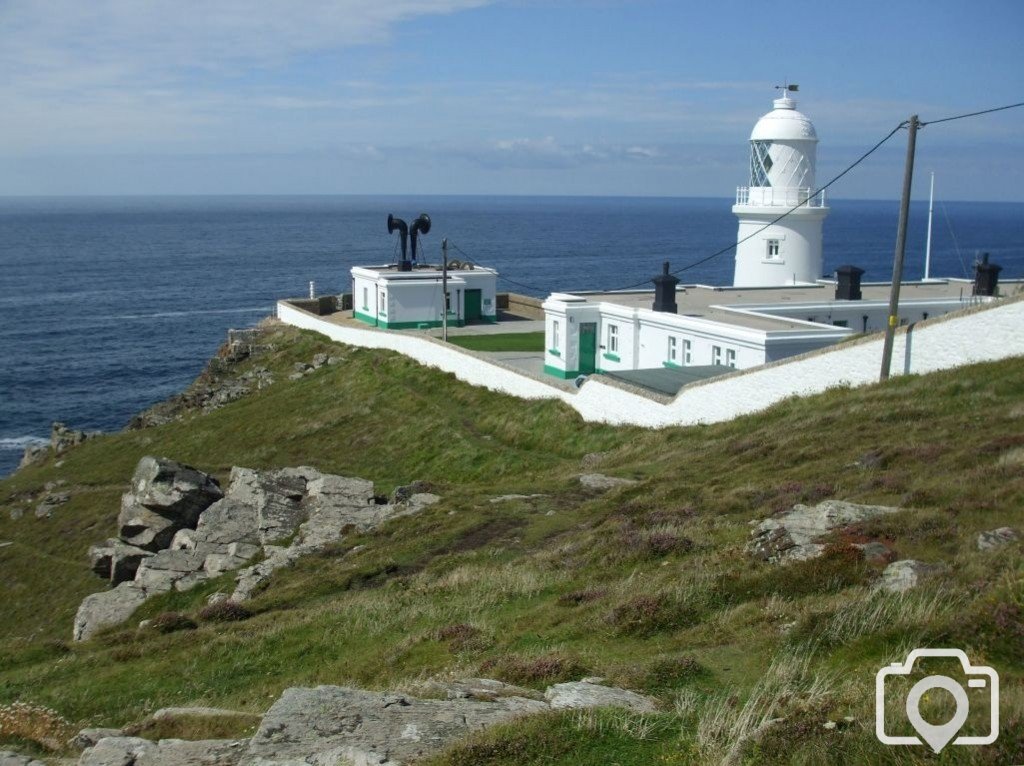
<point x="564" y="374"/>
<point x="489" y="319"/>
<point x="671" y="365"/>
<point x="554" y="352"/>
<point x="410" y="325"/>
<point x="611" y="357"/>
<point x="364" y="317"/>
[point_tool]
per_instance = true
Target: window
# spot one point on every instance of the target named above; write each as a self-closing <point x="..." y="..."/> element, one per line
<point x="716" y="355"/>
<point x="555" y="334"/>
<point x="673" y="349"/>
<point x="366" y="299"/>
<point x="730" y="358"/>
<point x="760" y="163"/>
<point x="686" y="352"/>
<point x="613" y="339"/>
<point x="772" y="250"/>
<point x="841" y="323"/>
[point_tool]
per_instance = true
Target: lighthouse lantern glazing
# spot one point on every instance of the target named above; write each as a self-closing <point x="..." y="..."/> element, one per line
<point x="783" y="154"/>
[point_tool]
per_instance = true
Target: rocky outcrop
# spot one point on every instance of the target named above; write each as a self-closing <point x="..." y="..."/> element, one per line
<point x="62" y="439"/>
<point x="901" y="576"/>
<point x="220" y="383"/>
<point x="193" y="532"/>
<point x="50" y="502"/>
<point x="997" y="538"/>
<point x="34" y="454"/>
<point x="339" y="726"/>
<point x="331" y="723"/>
<point x="116" y="561"/>
<point x="796" y="535"/>
<point x="590" y="693"/>
<point x="166" y="496"/>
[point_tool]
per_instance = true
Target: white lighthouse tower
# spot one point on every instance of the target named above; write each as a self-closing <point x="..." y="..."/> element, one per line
<point x="783" y="152"/>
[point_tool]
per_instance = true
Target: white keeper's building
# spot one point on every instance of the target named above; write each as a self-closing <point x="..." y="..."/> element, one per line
<point x="392" y="299"/>
<point x="779" y="304"/>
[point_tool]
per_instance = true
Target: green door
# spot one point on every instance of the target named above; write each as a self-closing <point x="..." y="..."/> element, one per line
<point x="474" y="310"/>
<point x="588" y="347"/>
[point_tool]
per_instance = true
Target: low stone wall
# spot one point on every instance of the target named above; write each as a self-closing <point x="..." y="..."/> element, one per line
<point x="984" y="333"/>
<point x="521" y="305"/>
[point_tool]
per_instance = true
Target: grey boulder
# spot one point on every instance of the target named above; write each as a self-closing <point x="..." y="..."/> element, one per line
<point x="11" y="758"/>
<point x="134" y="751"/>
<point x="997" y="538"/>
<point x="330" y="724"/>
<point x="586" y="694"/>
<point x="109" y="607"/>
<point x="165" y="496"/>
<point x="901" y="576"/>
<point x="795" y="535"/>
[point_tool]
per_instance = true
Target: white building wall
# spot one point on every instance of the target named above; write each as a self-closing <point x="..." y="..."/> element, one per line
<point x="853" y="313"/>
<point x="984" y="334"/>
<point x="799" y="237"/>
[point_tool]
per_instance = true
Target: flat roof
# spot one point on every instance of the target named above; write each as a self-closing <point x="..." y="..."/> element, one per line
<point x="424" y="268"/>
<point x="720" y="304"/>
<point x="668" y="380"/>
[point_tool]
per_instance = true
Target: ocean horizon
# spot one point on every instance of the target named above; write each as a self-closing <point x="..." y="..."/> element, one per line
<point x="112" y="303"/>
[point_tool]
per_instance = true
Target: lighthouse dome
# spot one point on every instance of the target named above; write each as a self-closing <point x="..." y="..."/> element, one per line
<point x="784" y="123"/>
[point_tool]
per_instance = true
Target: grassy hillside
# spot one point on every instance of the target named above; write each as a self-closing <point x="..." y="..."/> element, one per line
<point x="647" y="586"/>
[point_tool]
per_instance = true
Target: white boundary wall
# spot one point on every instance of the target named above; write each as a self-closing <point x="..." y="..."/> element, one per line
<point x="981" y="334"/>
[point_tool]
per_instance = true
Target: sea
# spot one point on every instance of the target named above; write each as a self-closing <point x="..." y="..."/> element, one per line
<point x="110" y="304"/>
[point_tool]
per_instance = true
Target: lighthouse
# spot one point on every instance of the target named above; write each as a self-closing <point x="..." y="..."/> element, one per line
<point x="783" y="151"/>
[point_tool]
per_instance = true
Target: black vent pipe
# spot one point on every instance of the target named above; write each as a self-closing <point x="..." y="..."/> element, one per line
<point x="403" y="233"/>
<point x="665" y="291"/>
<point x="420" y="226"/>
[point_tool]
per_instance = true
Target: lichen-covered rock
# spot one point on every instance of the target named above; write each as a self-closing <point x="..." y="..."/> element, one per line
<point x="166" y="496"/>
<point x="585" y="694"/>
<point x="109" y="607"/>
<point x="63" y="438"/>
<point x="474" y="688"/>
<point x="11" y="758"/>
<point x="50" y="502"/>
<point x="89" y="737"/>
<point x="275" y="495"/>
<point x="796" y="534"/>
<point x="997" y="538"/>
<point x="901" y="576"/>
<point x="34" y="454"/>
<point x="134" y="751"/>
<point x="328" y="724"/>
<point x="602" y="483"/>
<point x="160" y="572"/>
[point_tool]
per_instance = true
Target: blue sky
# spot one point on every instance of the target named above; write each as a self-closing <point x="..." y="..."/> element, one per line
<point x="505" y="97"/>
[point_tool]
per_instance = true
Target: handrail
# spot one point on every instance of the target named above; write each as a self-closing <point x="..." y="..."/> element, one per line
<point x="769" y="196"/>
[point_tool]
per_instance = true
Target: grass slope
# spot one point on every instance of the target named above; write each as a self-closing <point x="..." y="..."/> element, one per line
<point x="647" y="586"/>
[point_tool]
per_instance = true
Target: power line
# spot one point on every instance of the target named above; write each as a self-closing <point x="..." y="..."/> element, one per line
<point x="973" y="114"/>
<point x="753" y="234"/>
<point x="859" y="160"/>
<point x="500" y="276"/>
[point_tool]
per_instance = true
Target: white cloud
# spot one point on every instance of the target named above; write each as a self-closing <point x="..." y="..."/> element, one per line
<point x="80" y="74"/>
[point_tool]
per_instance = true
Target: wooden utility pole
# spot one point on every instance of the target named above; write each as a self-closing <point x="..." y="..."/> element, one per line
<point x="444" y="289"/>
<point x="901" y="246"/>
